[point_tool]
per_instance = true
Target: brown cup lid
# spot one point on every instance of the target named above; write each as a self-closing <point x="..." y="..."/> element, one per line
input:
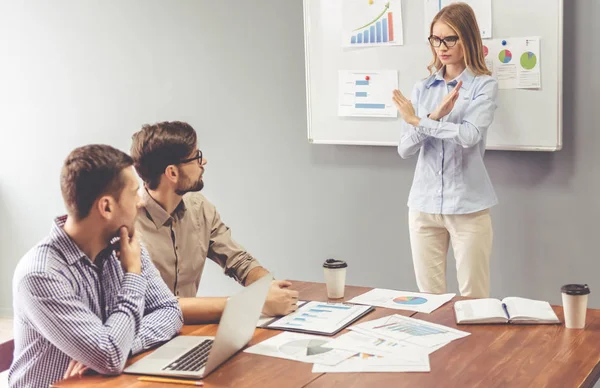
<point x="575" y="289"/>
<point x="334" y="263"/>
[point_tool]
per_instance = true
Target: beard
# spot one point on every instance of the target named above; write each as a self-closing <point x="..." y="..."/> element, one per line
<point x="188" y="185"/>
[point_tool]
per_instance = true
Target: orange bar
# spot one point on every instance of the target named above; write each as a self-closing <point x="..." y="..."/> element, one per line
<point x="390" y="27"/>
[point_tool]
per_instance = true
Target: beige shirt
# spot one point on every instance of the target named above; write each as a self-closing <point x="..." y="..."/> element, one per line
<point x="179" y="243"/>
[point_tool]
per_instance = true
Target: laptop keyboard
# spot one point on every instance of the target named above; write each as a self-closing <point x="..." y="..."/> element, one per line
<point x="192" y="361"/>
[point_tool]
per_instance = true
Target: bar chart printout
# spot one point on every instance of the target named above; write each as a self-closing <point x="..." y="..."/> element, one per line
<point x="371" y="23"/>
<point x="367" y="93"/>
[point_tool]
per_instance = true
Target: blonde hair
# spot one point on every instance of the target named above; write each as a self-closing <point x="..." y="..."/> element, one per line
<point x="461" y="18"/>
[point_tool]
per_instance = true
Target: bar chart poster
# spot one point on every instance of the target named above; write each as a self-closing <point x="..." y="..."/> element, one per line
<point x="368" y="23"/>
<point x="367" y="93"/>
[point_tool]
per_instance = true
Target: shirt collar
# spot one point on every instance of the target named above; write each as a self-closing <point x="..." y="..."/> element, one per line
<point x="60" y="238"/>
<point x="466" y="76"/>
<point x="158" y="215"/>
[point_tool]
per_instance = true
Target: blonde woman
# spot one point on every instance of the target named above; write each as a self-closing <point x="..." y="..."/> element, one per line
<point x="446" y="122"/>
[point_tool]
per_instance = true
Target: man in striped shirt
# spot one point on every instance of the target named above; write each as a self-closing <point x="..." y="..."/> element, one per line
<point x="81" y="302"/>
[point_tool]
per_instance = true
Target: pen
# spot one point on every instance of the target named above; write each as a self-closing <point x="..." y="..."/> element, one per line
<point x="172" y="381"/>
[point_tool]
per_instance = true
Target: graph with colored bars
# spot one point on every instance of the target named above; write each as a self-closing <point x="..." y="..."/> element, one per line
<point x="381" y="30"/>
<point x="315" y="313"/>
<point x="367" y="94"/>
<point x="411" y="328"/>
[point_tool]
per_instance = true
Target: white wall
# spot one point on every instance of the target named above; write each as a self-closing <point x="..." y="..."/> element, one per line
<point x="82" y="71"/>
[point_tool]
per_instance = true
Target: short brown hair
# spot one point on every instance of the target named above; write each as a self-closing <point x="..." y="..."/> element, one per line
<point x="158" y="145"/>
<point x="461" y="18"/>
<point x="89" y="172"/>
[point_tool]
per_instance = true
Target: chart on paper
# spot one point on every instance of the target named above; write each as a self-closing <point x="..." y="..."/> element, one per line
<point x="321" y="317"/>
<point x="367" y="93"/>
<point x="373" y="23"/>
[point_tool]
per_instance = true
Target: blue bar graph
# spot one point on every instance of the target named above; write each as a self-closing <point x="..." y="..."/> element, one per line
<point x="385" y="30"/>
<point x="319" y="311"/>
<point x="328" y="306"/>
<point x="369" y="106"/>
<point x="380" y="30"/>
<point x="361" y="94"/>
<point x="362" y="83"/>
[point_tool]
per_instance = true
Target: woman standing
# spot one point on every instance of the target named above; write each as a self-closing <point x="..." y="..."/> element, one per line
<point x="447" y="119"/>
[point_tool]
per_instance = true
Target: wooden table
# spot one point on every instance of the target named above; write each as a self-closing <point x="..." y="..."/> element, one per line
<point x="492" y="356"/>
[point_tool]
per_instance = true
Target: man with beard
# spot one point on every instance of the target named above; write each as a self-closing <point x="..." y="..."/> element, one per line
<point x="181" y="228"/>
<point x="81" y="299"/>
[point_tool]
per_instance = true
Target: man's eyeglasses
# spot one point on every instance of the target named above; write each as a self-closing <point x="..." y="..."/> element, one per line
<point x="198" y="157"/>
<point x="449" y="41"/>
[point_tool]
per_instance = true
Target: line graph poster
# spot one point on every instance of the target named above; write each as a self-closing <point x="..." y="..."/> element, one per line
<point x="368" y="23"/>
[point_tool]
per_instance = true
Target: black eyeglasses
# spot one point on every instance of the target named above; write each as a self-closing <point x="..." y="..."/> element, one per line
<point x="198" y="157"/>
<point x="449" y="41"/>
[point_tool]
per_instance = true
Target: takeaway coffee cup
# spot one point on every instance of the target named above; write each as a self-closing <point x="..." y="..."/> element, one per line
<point x="575" y="299"/>
<point x="335" y="277"/>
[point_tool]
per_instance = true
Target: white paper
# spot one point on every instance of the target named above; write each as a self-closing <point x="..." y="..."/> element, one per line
<point x="366" y="93"/>
<point x="402" y="300"/>
<point x="371" y="23"/>
<point x="364" y="362"/>
<point x="356" y="341"/>
<point x="410" y="330"/>
<point x="323" y="317"/>
<point x="515" y="62"/>
<point x="481" y="8"/>
<point x="300" y="347"/>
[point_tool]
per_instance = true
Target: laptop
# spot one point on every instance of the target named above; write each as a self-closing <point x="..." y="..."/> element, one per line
<point x="197" y="356"/>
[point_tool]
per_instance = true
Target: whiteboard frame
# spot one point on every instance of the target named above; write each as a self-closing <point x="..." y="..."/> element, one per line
<point x="559" y="140"/>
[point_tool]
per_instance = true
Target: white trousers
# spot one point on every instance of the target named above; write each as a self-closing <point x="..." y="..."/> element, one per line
<point x="471" y="236"/>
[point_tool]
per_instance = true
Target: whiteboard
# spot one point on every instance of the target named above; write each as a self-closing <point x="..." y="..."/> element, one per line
<point x="525" y="120"/>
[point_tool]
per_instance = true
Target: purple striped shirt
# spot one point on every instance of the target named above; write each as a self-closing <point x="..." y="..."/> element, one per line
<point x="67" y="307"/>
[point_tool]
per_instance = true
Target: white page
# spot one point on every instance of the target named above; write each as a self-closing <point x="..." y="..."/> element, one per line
<point x="367" y="93"/>
<point x="364" y="362"/>
<point x="515" y="62"/>
<point x="300" y="347"/>
<point x="420" y="348"/>
<point x="402" y="300"/>
<point x="477" y="309"/>
<point x="355" y="341"/>
<point x="529" y="308"/>
<point x="320" y="316"/>
<point x="481" y="8"/>
<point x="373" y="23"/>
<point x="410" y="330"/>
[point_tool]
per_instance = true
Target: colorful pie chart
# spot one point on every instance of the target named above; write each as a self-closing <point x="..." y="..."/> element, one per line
<point x="505" y="56"/>
<point x="410" y="300"/>
<point x="528" y="60"/>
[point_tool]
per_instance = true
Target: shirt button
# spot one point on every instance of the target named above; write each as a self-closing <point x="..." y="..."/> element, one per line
<point x="441" y="154"/>
<point x="177" y="293"/>
<point x="440" y="172"/>
<point x="176" y="248"/>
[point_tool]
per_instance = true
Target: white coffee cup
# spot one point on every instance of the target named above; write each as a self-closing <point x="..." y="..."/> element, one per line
<point x="575" y="300"/>
<point x="335" y="277"/>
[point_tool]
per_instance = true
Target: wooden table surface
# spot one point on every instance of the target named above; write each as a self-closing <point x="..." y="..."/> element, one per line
<point x="492" y="356"/>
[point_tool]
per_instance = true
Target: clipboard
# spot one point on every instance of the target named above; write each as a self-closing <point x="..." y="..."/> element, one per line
<point x="322" y="318"/>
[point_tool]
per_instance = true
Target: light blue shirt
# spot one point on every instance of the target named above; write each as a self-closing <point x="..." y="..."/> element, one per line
<point x="450" y="177"/>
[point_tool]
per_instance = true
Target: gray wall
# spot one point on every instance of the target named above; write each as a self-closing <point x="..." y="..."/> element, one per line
<point x="76" y="72"/>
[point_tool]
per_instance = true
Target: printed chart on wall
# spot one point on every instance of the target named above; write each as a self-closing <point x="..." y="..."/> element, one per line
<point x="481" y="8"/>
<point x="515" y="62"/>
<point x="367" y="93"/>
<point x="370" y="23"/>
<point x="402" y="300"/>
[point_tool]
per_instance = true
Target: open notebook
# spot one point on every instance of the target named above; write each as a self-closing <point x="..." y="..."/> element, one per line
<point x="508" y="310"/>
